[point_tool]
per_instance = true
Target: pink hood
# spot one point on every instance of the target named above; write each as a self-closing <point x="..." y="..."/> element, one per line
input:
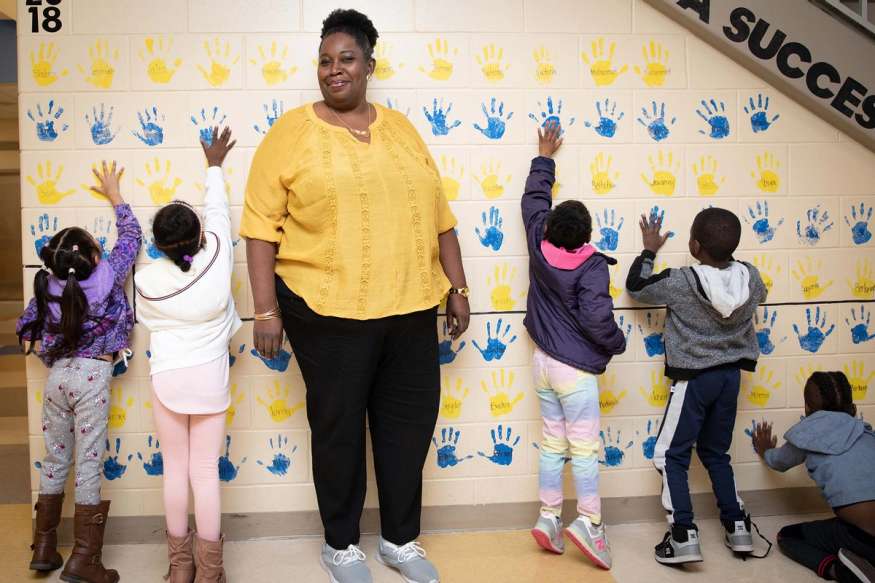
<point x="561" y="259"/>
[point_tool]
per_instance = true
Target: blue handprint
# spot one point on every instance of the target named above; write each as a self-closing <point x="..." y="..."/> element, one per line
<point x="860" y="326"/>
<point x="502" y="448"/>
<point x="279" y="363"/>
<point x="817" y="224"/>
<point x="609" y="229"/>
<point x="654" y="342"/>
<point x="395" y="105"/>
<point x="608" y="119"/>
<point x="860" y="229"/>
<point x="208" y="120"/>
<point x="43" y="232"/>
<point x="759" y="222"/>
<point x="495" y="345"/>
<point x="715" y="116"/>
<point x="621" y="323"/>
<point x="759" y="114"/>
<point x="227" y="470"/>
<point x="101" y="231"/>
<point x="45" y="121"/>
<point x="496" y="121"/>
<point x="231" y="357"/>
<point x="101" y="125"/>
<point x="551" y="115"/>
<point x="438" y="118"/>
<point x="614" y="452"/>
<point x="749" y="431"/>
<point x="152" y="249"/>
<point x="491" y="236"/>
<point x="814" y="336"/>
<point x="271" y="114"/>
<point x="657" y="213"/>
<point x="447" y="457"/>
<point x="151" y="133"/>
<point x="154" y="465"/>
<point x="446" y="354"/>
<point x="648" y="445"/>
<point x="764" y="329"/>
<point x="655" y="122"/>
<point x="279" y="465"/>
<point x="112" y="468"/>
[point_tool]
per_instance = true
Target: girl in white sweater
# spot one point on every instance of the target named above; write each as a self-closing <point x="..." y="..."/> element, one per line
<point x="185" y="301"/>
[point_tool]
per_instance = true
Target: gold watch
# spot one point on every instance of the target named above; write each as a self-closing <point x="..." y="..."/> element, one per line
<point x="462" y="291"/>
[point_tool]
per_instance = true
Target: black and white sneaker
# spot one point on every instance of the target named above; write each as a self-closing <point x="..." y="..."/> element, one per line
<point x="738" y="535"/>
<point x="859" y="567"/>
<point x="680" y="545"/>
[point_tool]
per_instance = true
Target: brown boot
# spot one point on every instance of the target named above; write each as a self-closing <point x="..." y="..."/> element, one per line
<point x="45" y="534"/>
<point x="84" y="564"/>
<point x="179" y="551"/>
<point x="208" y="558"/>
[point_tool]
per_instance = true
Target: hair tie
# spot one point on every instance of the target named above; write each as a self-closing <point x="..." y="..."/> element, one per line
<point x="187" y="258"/>
<point x="71" y="270"/>
<point x="43" y="267"/>
<point x="76" y="248"/>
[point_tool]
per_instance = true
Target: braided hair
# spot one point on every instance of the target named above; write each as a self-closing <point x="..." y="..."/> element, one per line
<point x="356" y="25"/>
<point x="178" y="233"/>
<point x="834" y="391"/>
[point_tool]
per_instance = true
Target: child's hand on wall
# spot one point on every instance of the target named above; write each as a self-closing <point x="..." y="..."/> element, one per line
<point x="650" y="232"/>
<point x="549" y="139"/>
<point x="763" y="440"/>
<point x="218" y="147"/>
<point x="108" y="178"/>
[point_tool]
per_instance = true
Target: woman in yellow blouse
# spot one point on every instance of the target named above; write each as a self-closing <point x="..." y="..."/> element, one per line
<point x="351" y="247"/>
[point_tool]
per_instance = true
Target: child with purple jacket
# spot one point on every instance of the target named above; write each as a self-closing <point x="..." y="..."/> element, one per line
<point x="570" y="318"/>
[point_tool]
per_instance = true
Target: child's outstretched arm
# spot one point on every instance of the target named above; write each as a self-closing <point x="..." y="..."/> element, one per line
<point x="641" y="283"/>
<point x="538" y="196"/>
<point x="778" y="458"/>
<point x="130" y="236"/>
<point x="216" y="212"/>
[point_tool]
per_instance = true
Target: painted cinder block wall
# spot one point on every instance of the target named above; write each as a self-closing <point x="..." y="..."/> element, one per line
<point x="137" y="82"/>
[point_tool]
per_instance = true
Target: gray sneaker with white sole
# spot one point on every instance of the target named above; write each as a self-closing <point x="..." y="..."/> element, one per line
<point x="409" y="560"/>
<point x="345" y="566"/>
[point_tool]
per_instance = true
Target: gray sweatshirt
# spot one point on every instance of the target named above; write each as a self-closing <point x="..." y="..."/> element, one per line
<point x="838" y="451"/>
<point x="709" y="315"/>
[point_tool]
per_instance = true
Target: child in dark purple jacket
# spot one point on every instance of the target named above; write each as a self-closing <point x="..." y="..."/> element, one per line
<point x="570" y="318"/>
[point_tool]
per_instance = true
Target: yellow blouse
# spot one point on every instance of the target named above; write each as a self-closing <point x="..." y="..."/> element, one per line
<point x="357" y="224"/>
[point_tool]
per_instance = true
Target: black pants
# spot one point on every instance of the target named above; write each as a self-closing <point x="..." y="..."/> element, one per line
<point x="816" y="544"/>
<point x="387" y="369"/>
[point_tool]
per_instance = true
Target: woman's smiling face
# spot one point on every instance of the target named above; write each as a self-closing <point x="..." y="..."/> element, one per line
<point x="343" y="71"/>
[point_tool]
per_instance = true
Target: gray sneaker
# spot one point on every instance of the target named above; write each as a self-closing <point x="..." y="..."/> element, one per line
<point x="346" y="566"/>
<point x="591" y="540"/>
<point x="409" y="560"/>
<point x="680" y="545"/>
<point x="548" y="533"/>
<point x="738" y="536"/>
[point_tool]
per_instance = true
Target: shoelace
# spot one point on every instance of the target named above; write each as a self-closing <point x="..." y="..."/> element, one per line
<point x="410" y="551"/>
<point x="745" y="556"/>
<point x="352" y="554"/>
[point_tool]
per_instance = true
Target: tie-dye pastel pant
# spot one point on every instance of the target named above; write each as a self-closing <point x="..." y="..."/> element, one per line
<point x="75" y="414"/>
<point x="570" y="414"/>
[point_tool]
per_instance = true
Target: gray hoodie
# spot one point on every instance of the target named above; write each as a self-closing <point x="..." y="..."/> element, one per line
<point x="838" y="451"/>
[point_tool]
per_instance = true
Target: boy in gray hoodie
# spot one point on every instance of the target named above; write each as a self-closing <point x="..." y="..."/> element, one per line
<point x="709" y="339"/>
<point x="838" y="451"/>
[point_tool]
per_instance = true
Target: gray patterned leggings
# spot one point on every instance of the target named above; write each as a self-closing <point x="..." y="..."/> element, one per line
<point x="75" y="410"/>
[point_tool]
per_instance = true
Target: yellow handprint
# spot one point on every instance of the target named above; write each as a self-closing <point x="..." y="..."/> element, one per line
<point x="601" y="69"/>
<point x="864" y="287"/>
<point x="613" y="289"/>
<point x="102" y="71"/>
<point x="500" y="283"/>
<point x="544" y="68"/>
<point x="236" y="399"/>
<point x="557" y="184"/>
<point x="277" y="403"/>
<point x="221" y="61"/>
<point x="274" y="67"/>
<point x="227" y="172"/>
<point x="383" y="69"/>
<point x="659" y="267"/>
<point x="451" y="176"/>
<point x="452" y="398"/>
<point x="768" y="270"/>
<point x="38" y="397"/>
<point x="441" y="65"/>
<point x="490" y="182"/>
<point x="809" y="281"/>
<point x="705" y="171"/>
<point x="766" y="174"/>
<point x="47" y="189"/>
<point x="607" y="399"/>
<point x="804" y="372"/>
<point x="659" y="390"/>
<point x="655" y="68"/>
<point x="664" y="171"/>
<point x="758" y="388"/>
<point x="603" y="182"/>
<point x="118" y="407"/>
<point x="491" y="63"/>
<point x="42" y="65"/>
<point x="156" y="56"/>
<point x="499" y="399"/>
<point x="92" y="189"/>
<point x="856" y="374"/>
<point x="158" y="187"/>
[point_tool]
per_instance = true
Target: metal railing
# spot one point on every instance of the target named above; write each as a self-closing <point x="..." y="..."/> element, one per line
<point x="857" y="12"/>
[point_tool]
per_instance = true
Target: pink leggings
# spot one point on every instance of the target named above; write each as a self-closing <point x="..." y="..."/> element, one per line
<point x="191" y="445"/>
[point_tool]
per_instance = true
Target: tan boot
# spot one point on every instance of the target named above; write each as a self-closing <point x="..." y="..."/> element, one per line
<point x="45" y="534"/>
<point x="208" y="560"/>
<point x="180" y="554"/>
<point x="84" y="564"/>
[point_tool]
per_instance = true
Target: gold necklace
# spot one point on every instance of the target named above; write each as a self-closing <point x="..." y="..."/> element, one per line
<point x="365" y="133"/>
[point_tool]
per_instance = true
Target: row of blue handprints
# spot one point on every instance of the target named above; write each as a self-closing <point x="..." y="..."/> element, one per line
<point x="49" y="120"/>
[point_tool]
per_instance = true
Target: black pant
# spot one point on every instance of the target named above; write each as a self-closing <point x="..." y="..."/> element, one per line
<point x="816" y="544"/>
<point x="388" y="369"/>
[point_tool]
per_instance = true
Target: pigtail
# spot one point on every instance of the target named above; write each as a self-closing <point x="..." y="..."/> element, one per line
<point x="74" y="310"/>
<point x="33" y="330"/>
